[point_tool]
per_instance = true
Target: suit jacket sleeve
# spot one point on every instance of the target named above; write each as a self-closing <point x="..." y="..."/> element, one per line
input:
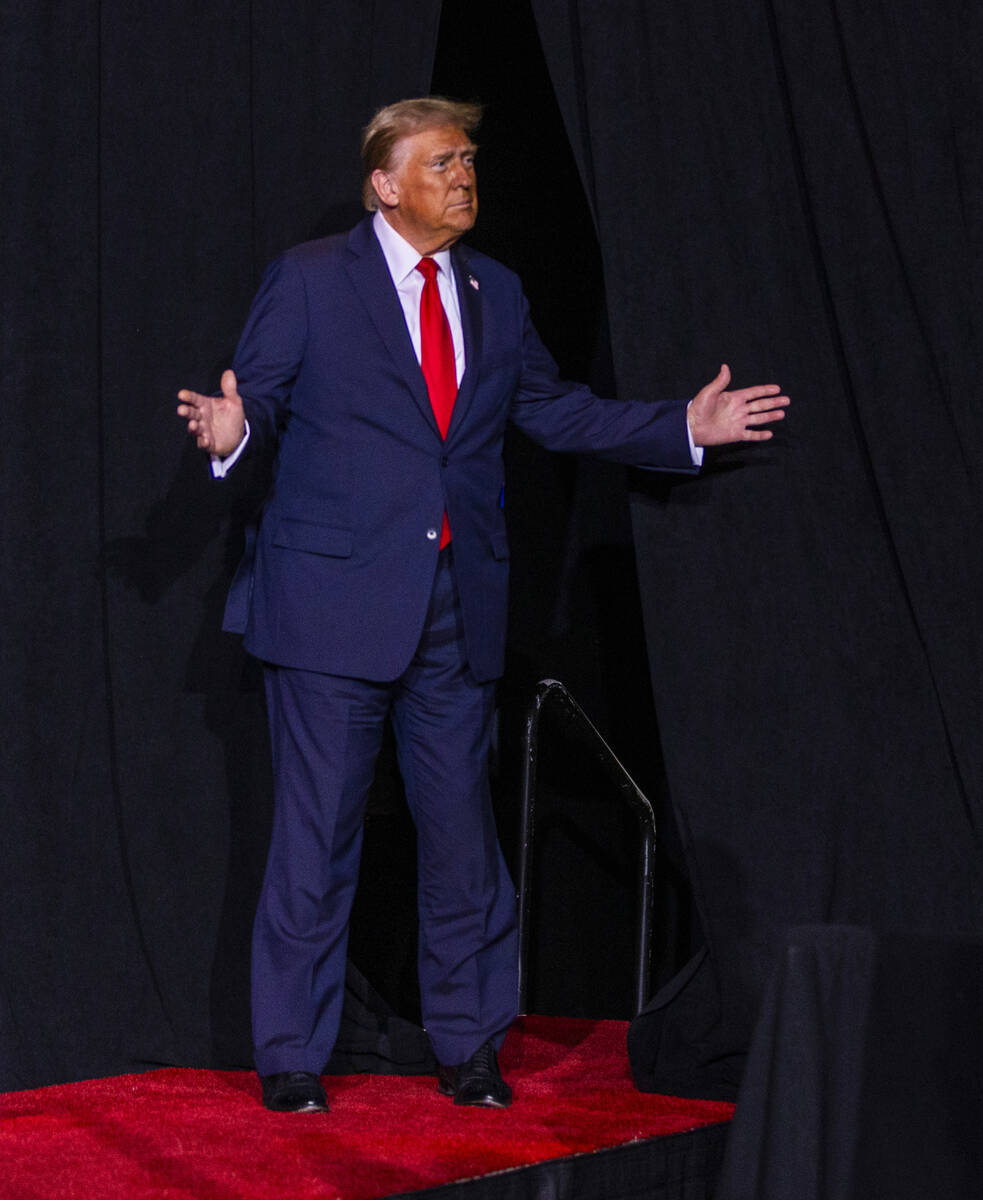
<point x="271" y="350"/>
<point x="568" y="417"/>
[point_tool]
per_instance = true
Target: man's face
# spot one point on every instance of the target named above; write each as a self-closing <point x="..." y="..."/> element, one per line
<point x="429" y="195"/>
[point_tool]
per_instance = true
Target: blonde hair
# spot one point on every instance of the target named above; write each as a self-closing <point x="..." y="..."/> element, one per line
<point x="402" y="119"/>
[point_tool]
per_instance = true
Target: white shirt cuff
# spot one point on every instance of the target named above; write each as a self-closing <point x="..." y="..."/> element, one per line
<point x="696" y="452"/>
<point x="222" y="466"/>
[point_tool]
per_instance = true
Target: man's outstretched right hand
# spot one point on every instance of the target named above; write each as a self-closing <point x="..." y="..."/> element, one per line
<point x="217" y="423"/>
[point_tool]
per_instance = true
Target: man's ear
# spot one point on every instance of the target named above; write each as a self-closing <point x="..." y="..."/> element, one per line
<point x="386" y="187"/>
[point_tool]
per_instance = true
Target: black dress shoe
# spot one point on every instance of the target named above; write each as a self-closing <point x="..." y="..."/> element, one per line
<point x="293" y="1092"/>
<point x="477" y="1081"/>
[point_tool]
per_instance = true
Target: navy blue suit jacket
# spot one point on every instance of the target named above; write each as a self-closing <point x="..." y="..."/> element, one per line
<point x="339" y="574"/>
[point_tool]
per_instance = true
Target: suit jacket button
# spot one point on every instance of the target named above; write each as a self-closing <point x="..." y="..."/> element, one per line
<point x="443" y="461"/>
<point x="431" y="535"/>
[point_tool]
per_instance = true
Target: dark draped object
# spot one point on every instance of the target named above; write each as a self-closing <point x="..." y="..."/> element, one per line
<point x="862" y="1076"/>
<point x="796" y="189"/>
<point x="155" y="158"/>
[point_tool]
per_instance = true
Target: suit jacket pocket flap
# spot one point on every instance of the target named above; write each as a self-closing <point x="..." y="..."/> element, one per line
<point x="315" y="539"/>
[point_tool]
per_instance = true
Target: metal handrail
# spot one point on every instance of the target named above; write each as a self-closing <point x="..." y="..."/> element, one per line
<point x="556" y="693"/>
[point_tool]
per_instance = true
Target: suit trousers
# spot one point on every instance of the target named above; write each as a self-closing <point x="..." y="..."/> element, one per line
<point x="326" y="731"/>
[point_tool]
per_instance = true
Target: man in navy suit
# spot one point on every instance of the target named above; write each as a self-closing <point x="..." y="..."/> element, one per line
<point x="380" y="368"/>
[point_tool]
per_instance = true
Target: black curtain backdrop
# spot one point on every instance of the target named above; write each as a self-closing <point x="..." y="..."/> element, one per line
<point x="154" y="162"/>
<point x="793" y="188"/>
<point x="796" y="189"/>
<point x="155" y="157"/>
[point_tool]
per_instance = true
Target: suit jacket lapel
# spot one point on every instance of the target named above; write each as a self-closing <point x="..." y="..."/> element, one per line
<point x="373" y="283"/>
<point x="469" y="300"/>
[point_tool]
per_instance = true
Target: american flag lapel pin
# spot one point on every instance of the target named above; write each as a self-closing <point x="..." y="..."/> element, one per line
<point x="473" y="282"/>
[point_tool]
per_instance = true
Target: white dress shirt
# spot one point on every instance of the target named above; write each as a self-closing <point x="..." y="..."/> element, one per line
<point x="401" y="259"/>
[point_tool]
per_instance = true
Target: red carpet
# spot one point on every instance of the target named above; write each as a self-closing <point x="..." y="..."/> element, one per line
<point x="204" y="1134"/>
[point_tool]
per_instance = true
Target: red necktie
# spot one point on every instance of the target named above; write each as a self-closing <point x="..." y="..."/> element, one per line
<point x="437" y="358"/>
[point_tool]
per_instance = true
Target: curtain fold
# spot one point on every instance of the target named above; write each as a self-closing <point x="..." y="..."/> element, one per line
<point x="795" y="190"/>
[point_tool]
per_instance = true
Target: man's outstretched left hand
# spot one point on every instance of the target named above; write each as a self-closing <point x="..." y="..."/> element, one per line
<point x="717" y="417"/>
